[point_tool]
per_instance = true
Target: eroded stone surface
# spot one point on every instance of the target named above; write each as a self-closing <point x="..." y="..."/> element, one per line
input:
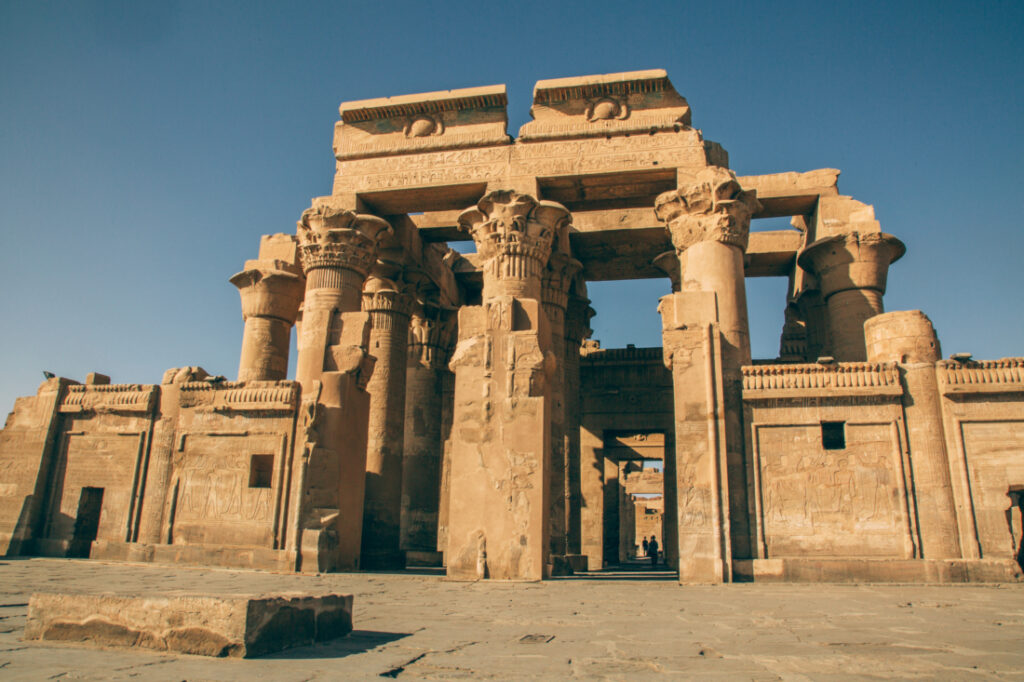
<point x="235" y="626"/>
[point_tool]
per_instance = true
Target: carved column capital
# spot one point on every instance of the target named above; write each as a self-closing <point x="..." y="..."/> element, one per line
<point x="713" y="208"/>
<point x="514" y="234"/>
<point x="577" y="320"/>
<point x="854" y="260"/>
<point x="668" y="262"/>
<point x="431" y="335"/>
<point x="268" y="291"/>
<point x="557" y="279"/>
<point x="332" y="237"/>
<point x="385" y="296"/>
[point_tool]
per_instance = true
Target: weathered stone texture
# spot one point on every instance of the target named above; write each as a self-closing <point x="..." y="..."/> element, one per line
<point x="236" y="626"/>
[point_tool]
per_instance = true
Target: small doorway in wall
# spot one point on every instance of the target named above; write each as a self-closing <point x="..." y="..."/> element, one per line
<point x="1015" y="517"/>
<point x="87" y="523"/>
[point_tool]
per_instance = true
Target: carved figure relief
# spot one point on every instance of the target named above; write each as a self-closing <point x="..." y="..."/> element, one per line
<point x="423" y="125"/>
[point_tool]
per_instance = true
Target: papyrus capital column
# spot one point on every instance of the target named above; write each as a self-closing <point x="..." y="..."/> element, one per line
<point x="851" y="270"/>
<point x="389" y="309"/>
<point x="556" y="281"/>
<point x="431" y="338"/>
<point x="514" y="234"/>
<point x="706" y="341"/>
<point x="271" y="293"/>
<point x="709" y="224"/>
<point x="337" y="247"/>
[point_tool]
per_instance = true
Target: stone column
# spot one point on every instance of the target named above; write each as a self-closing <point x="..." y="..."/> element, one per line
<point x="577" y="328"/>
<point x="851" y="270"/>
<point x="501" y="439"/>
<point x="337" y="248"/>
<point x="706" y="342"/>
<point x="555" y="284"/>
<point x="430" y="336"/>
<point x="271" y="292"/>
<point x="382" y="509"/>
<point x="908" y="338"/>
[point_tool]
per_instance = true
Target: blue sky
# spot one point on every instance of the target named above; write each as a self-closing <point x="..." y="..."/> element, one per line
<point x="146" y="146"/>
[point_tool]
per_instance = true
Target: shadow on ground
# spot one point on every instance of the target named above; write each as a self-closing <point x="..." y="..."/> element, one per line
<point x="356" y="642"/>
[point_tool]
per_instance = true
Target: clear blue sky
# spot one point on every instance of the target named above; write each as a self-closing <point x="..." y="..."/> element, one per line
<point x="146" y="146"/>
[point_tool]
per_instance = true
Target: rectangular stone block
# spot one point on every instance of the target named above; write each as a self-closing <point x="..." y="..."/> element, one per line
<point x="236" y="626"/>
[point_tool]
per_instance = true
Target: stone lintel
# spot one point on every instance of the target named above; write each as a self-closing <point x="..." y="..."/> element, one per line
<point x="432" y="121"/>
<point x="236" y="626"/>
<point x="629" y="254"/>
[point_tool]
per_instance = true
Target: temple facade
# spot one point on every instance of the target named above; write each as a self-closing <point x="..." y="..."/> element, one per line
<point x="449" y="409"/>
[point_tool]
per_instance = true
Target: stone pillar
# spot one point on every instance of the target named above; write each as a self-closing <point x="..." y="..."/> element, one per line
<point x="501" y="439"/>
<point x="555" y="283"/>
<point x="430" y="335"/>
<point x="793" y="344"/>
<point x="271" y="292"/>
<point x="908" y="338"/>
<point x="706" y="342"/>
<point x="851" y="270"/>
<point x="337" y="248"/>
<point x="577" y="328"/>
<point x="382" y="508"/>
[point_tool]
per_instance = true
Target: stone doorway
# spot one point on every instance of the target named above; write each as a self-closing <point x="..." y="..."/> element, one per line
<point x="634" y="495"/>
<point x="87" y="523"/>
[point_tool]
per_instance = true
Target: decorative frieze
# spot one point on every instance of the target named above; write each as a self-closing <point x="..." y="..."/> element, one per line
<point x="1005" y="375"/>
<point x="843" y="375"/>
<point x="237" y="396"/>
<point x="109" y="398"/>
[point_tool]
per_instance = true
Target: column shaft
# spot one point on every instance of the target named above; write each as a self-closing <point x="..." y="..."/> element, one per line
<point x="265" y="344"/>
<point x="382" y="508"/>
<point x="847" y="312"/>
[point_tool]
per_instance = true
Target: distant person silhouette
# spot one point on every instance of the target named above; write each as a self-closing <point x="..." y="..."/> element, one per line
<point x="645" y="546"/>
<point x="652" y="551"/>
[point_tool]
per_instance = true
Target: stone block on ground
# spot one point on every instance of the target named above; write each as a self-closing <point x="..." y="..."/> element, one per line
<point x="236" y="626"/>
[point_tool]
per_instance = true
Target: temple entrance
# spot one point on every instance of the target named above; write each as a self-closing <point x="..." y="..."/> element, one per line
<point x="87" y="523"/>
<point x="634" y="507"/>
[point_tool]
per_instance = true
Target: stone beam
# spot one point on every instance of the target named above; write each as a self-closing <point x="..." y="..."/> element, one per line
<point x="628" y="254"/>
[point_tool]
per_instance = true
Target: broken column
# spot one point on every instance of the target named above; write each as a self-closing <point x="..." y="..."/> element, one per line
<point x="706" y="342"/>
<point x="430" y="336"/>
<point x="501" y="438"/>
<point x="908" y="338"/>
<point x="271" y="290"/>
<point x="555" y="283"/>
<point x="338" y="247"/>
<point x="850" y="258"/>
<point x="388" y="308"/>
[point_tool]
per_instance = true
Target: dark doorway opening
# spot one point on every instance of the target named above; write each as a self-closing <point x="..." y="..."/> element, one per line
<point x="1015" y="516"/>
<point x="87" y="522"/>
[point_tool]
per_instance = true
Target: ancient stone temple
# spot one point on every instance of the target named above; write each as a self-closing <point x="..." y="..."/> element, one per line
<point x="448" y="408"/>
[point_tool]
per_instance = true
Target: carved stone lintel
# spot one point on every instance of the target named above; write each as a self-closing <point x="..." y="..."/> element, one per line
<point x="714" y="208"/>
<point x="333" y="237"/>
<point x="514" y="234"/>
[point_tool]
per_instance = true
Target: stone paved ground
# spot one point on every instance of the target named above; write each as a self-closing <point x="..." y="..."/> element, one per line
<point x="634" y="626"/>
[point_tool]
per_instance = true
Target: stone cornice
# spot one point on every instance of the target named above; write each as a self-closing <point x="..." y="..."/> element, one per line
<point x="109" y="398"/>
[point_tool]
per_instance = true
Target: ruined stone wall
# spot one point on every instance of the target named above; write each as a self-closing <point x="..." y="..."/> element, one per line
<point x="193" y="471"/>
<point x="983" y="410"/>
<point x="826" y="463"/>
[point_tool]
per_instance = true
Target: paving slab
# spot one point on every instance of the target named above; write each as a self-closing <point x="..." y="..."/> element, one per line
<point x="420" y="626"/>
